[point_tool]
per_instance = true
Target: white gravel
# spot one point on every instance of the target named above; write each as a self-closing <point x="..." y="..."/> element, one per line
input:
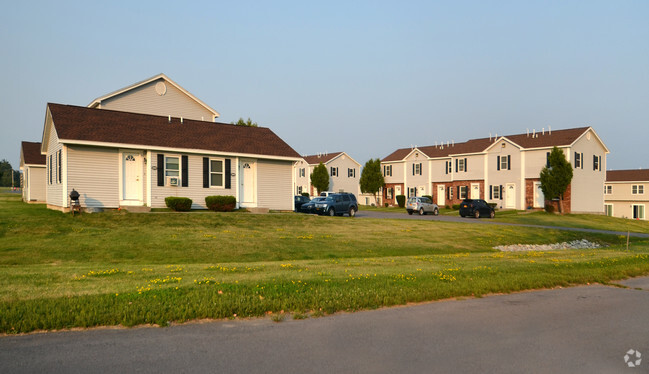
<point x="575" y="244"/>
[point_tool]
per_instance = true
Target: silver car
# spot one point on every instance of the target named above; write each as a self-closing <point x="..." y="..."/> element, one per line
<point x="422" y="205"/>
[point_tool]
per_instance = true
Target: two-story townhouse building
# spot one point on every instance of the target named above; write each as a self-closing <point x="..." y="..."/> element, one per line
<point x="625" y="193"/>
<point x="503" y="170"/>
<point x="344" y="173"/>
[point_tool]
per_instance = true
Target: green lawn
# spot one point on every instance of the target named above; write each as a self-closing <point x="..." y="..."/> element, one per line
<point x="119" y="268"/>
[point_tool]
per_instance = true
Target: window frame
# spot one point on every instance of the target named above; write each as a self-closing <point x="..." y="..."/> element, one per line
<point x="641" y="209"/>
<point x="608" y="190"/>
<point x="417" y="169"/>
<point x="222" y="172"/>
<point x="495" y="192"/>
<point x="637" y="189"/>
<point x="607" y="208"/>
<point x="463" y="192"/>
<point x="461" y="167"/>
<point x="167" y="169"/>
<point x="504" y="163"/>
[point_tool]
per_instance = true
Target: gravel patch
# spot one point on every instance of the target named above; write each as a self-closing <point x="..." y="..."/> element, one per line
<point x="575" y="244"/>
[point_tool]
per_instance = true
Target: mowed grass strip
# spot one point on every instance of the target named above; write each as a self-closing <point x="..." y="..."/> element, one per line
<point x="116" y="268"/>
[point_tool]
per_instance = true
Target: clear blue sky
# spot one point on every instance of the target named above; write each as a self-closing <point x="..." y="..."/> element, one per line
<point x="361" y="77"/>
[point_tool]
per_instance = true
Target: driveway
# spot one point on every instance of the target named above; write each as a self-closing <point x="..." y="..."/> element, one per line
<point x="586" y="329"/>
<point x="484" y="221"/>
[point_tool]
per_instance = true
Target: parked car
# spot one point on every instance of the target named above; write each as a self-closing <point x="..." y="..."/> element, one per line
<point x="476" y="208"/>
<point x="299" y="201"/>
<point x="326" y="193"/>
<point x="338" y="204"/>
<point x="310" y="206"/>
<point x="422" y="205"/>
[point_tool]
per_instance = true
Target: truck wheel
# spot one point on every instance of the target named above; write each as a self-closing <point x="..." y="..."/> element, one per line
<point x="421" y="211"/>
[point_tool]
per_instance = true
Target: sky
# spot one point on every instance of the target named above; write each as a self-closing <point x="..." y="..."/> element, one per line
<point x="364" y="77"/>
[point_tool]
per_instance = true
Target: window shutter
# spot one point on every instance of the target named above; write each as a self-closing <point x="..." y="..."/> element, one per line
<point x="458" y="192"/>
<point x="509" y="162"/>
<point x="599" y="163"/>
<point x="456" y="160"/>
<point x="228" y="173"/>
<point x="491" y="190"/>
<point x="594" y="162"/>
<point x="446" y="167"/>
<point x="582" y="160"/>
<point x="49" y="170"/>
<point x="206" y="172"/>
<point x="184" y="164"/>
<point x="465" y="165"/>
<point x="161" y="169"/>
<point x="498" y="163"/>
<point x="384" y="173"/>
<point x="60" y="166"/>
<point x="501" y="192"/>
<point x="413" y="169"/>
<point x="576" y="155"/>
<point x="448" y="193"/>
<point x="547" y="159"/>
<point x="421" y="171"/>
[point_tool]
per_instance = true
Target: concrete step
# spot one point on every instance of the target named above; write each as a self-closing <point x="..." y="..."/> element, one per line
<point x="136" y="209"/>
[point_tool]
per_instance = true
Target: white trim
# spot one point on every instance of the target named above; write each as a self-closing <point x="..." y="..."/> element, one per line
<point x="596" y="136"/>
<point x="148" y="177"/>
<point x="64" y="174"/>
<point x="97" y="101"/>
<point x="33" y="165"/>
<point x="612" y="210"/>
<point x="209" y="172"/>
<point x="644" y="213"/>
<point x="177" y="150"/>
<point x="140" y="161"/>
<point x="503" y="138"/>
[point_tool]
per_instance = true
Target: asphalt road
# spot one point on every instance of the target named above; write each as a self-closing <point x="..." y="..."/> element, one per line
<point x="586" y="329"/>
<point x="485" y="221"/>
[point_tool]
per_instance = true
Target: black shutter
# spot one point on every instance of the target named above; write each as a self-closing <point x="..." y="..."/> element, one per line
<point x="59" y="166"/>
<point x="582" y="160"/>
<point x="456" y="160"/>
<point x="547" y="159"/>
<point x="465" y="165"/>
<point x="501" y="192"/>
<point x="491" y="190"/>
<point x="384" y="172"/>
<point x="576" y="155"/>
<point x="413" y="169"/>
<point x="594" y="162"/>
<point x="206" y="172"/>
<point x="161" y="169"/>
<point x="421" y="171"/>
<point x="509" y="162"/>
<point x="49" y="170"/>
<point x="228" y="172"/>
<point x="184" y="162"/>
<point x="457" y="196"/>
<point x="498" y="163"/>
<point x="446" y="167"/>
<point x="448" y="194"/>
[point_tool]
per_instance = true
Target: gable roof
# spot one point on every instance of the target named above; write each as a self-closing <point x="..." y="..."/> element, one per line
<point x="80" y="125"/>
<point x="324" y="158"/>
<point x="634" y="175"/>
<point x="31" y="153"/>
<point x="96" y="102"/>
<point x="539" y="140"/>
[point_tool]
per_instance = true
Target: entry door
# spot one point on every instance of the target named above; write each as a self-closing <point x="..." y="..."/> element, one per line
<point x="132" y="176"/>
<point x="248" y="182"/>
<point x="441" y="196"/>
<point x="510" y="198"/>
<point x="475" y="191"/>
<point x="397" y="191"/>
<point x="539" y="198"/>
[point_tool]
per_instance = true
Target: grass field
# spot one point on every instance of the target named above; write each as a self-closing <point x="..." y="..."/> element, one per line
<point x="119" y="268"/>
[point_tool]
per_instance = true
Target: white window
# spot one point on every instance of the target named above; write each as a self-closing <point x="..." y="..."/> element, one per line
<point x="299" y="190"/>
<point x="351" y="173"/>
<point x="172" y="166"/>
<point x="460" y="164"/>
<point x="608" y="190"/>
<point x="495" y="192"/>
<point x="579" y="160"/>
<point x="389" y="193"/>
<point x="637" y="189"/>
<point x="334" y="172"/>
<point x="302" y="172"/>
<point x="387" y="170"/>
<point x="597" y="163"/>
<point x="463" y="191"/>
<point x="638" y="211"/>
<point x="450" y="193"/>
<point x="216" y="173"/>
<point x="504" y="163"/>
<point x="417" y="170"/>
<point x="608" y="209"/>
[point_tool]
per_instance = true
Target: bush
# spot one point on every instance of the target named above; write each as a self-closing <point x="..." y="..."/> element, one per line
<point x="428" y="196"/>
<point x="221" y="203"/>
<point x="549" y="208"/>
<point x="401" y="200"/>
<point x="387" y="205"/>
<point x="447" y="207"/>
<point x="179" y="204"/>
<point x="306" y="194"/>
<point x="456" y="207"/>
<point x="493" y="205"/>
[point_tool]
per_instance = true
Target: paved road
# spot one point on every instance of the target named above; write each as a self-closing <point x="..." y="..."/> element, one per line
<point x="585" y="329"/>
<point x="485" y="221"/>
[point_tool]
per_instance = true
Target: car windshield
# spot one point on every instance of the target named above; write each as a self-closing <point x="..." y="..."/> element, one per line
<point x="412" y="200"/>
<point x="318" y="199"/>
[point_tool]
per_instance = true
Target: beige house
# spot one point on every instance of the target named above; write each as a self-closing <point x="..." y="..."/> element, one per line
<point x="157" y="95"/>
<point x="32" y="166"/>
<point x="503" y="170"/>
<point x="344" y="173"/>
<point x="118" y="159"/>
<point x="625" y="193"/>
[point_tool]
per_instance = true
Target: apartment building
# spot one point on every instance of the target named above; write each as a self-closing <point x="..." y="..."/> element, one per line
<point x="624" y="193"/>
<point x="344" y="173"/>
<point x="504" y="170"/>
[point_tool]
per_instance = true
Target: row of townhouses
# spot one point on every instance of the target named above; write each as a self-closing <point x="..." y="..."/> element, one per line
<point x="153" y="139"/>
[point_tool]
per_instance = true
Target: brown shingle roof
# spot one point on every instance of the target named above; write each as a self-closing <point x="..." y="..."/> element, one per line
<point x="324" y="158"/>
<point x="108" y="126"/>
<point x="635" y="175"/>
<point x="32" y="153"/>
<point x="556" y="137"/>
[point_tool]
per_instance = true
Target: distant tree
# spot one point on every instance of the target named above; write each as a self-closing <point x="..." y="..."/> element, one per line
<point x="320" y="178"/>
<point x="556" y="177"/>
<point x="248" y="123"/>
<point x="372" y="178"/>
<point x="6" y="173"/>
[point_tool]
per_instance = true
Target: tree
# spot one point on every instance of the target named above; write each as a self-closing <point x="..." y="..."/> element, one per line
<point x="6" y="173"/>
<point x="556" y="177"/>
<point x="248" y="123"/>
<point x="320" y="178"/>
<point x="372" y="178"/>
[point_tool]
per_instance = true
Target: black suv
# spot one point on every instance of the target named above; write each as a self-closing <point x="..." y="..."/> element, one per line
<point x="476" y="208"/>
<point x="337" y="204"/>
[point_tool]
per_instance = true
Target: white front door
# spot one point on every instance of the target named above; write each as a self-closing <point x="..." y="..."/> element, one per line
<point x="441" y="196"/>
<point x="397" y="191"/>
<point x="539" y="198"/>
<point x="510" y="197"/>
<point x="132" y="177"/>
<point x="248" y="183"/>
<point x="475" y="191"/>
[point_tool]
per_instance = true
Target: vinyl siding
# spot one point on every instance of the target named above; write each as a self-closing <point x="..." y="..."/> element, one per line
<point x="341" y="182"/>
<point x="54" y="191"/>
<point x="145" y="99"/>
<point x="94" y="173"/>
<point x="304" y="181"/>
<point x="274" y="185"/>
<point x="195" y="189"/>
<point x="588" y="184"/>
<point x="36" y="181"/>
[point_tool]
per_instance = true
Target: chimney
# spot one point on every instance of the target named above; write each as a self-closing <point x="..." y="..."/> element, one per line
<point x="543" y="130"/>
<point x="549" y="130"/>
